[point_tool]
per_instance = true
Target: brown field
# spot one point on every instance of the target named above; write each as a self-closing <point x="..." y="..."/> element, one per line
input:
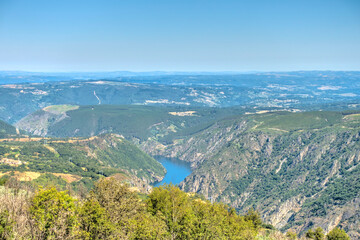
<point x="29" y="176"/>
<point x="23" y="176"/>
<point x="68" y="177"/>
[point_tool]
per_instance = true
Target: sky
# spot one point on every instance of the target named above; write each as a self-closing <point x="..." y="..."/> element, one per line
<point x="179" y="35"/>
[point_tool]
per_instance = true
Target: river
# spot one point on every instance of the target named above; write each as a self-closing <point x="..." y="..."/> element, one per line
<point x="177" y="170"/>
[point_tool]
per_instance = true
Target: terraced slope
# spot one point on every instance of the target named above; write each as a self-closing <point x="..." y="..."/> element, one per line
<point x="78" y="161"/>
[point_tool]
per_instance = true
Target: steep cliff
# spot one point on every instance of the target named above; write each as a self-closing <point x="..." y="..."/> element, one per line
<point x="298" y="170"/>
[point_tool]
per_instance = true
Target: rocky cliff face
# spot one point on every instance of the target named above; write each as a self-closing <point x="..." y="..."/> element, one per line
<point x="197" y="148"/>
<point x="39" y="122"/>
<point x="297" y="179"/>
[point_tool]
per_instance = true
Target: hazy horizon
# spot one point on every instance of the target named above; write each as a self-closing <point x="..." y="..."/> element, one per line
<point x="184" y="71"/>
<point x="140" y="35"/>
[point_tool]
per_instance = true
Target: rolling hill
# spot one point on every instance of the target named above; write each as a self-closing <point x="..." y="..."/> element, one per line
<point x="131" y="121"/>
<point x="77" y="161"/>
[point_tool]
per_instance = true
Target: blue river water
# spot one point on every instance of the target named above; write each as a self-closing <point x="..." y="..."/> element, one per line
<point x="177" y="171"/>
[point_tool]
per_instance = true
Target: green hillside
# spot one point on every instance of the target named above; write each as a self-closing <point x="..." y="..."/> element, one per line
<point x="287" y="121"/>
<point x="131" y="121"/>
<point x="81" y="160"/>
<point x="6" y="129"/>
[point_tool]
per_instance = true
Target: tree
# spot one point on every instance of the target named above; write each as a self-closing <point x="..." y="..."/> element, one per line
<point x="337" y="234"/>
<point x="254" y="216"/>
<point x="193" y="218"/>
<point x="319" y="234"/>
<point x="120" y="203"/>
<point x="231" y="225"/>
<point x="94" y="221"/>
<point x="116" y="198"/>
<point x="53" y="213"/>
<point x="173" y="206"/>
<point x="145" y="226"/>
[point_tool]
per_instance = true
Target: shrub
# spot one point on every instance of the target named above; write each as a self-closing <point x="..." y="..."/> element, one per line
<point x="337" y="234"/>
<point x="6" y="225"/>
<point x="53" y="213"/>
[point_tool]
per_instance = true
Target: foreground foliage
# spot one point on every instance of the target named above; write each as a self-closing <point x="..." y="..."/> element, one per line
<point x="112" y="211"/>
<point x="53" y="213"/>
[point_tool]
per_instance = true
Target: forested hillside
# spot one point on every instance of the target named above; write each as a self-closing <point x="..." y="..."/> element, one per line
<point x="6" y="129"/>
<point x="134" y="122"/>
<point x="77" y="161"/>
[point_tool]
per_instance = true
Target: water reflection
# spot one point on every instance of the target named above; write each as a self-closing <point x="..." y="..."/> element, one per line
<point x="177" y="171"/>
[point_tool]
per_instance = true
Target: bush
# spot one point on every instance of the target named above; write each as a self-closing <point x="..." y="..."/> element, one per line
<point x="6" y="225"/>
<point x="54" y="214"/>
<point x="318" y="234"/>
<point x="291" y="235"/>
<point x="337" y="234"/>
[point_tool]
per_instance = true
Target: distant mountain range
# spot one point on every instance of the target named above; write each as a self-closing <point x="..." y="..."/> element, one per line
<point x="286" y="144"/>
<point x="11" y="77"/>
<point x="295" y="91"/>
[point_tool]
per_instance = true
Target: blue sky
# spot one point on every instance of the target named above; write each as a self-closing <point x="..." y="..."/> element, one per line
<point x="179" y="35"/>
